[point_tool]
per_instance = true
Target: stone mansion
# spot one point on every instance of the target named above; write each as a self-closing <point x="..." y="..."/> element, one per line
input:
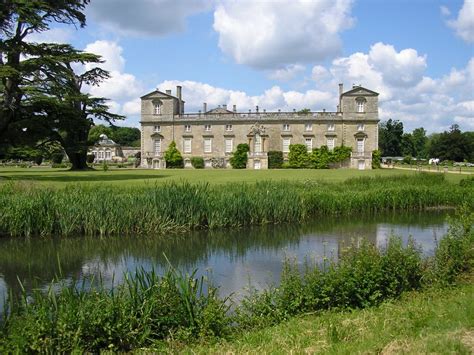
<point x="214" y="134"/>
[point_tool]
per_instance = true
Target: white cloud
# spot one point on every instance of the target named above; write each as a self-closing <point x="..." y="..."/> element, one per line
<point x="319" y="73"/>
<point x="132" y="107"/>
<point x="404" y="68"/>
<point x="444" y="11"/>
<point x="54" y="35"/>
<point x="464" y="23"/>
<point x="287" y="73"/>
<point x="195" y="93"/>
<point x="145" y="17"/>
<point x="111" y="54"/>
<point x="271" y="34"/>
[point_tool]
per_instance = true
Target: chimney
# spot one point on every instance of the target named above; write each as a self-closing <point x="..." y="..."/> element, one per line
<point x="178" y="94"/>
<point x="234" y="108"/>
<point x="341" y="89"/>
<point x="224" y="106"/>
<point x="256" y="109"/>
<point x="168" y="92"/>
<point x="204" y="107"/>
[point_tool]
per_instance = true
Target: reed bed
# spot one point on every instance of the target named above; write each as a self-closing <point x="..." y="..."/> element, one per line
<point x="148" y="311"/>
<point x="178" y="207"/>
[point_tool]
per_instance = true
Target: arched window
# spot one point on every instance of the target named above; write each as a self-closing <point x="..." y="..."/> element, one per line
<point x="360" y="104"/>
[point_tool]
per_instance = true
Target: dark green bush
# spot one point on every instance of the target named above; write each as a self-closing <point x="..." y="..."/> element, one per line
<point x="38" y="159"/>
<point x="173" y="158"/>
<point x="239" y="157"/>
<point x="298" y="156"/>
<point x="320" y="158"/>
<point x="57" y="158"/>
<point x="197" y="162"/>
<point x="376" y="159"/>
<point x="275" y="159"/>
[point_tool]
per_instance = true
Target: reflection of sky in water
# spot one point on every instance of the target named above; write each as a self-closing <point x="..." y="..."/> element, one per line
<point x="232" y="268"/>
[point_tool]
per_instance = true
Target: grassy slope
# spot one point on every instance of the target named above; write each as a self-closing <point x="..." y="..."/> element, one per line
<point x="121" y="177"/>
<point x="434" y="321"/>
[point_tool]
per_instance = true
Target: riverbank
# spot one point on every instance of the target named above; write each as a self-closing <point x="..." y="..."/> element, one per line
<point x="435" y="321"/>
<point x="169" y="312"/>
<point x="178" y="207"/>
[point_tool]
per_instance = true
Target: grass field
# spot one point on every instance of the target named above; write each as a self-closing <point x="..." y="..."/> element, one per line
<point x="121" y="177"/>
<point x="431" y="322"/>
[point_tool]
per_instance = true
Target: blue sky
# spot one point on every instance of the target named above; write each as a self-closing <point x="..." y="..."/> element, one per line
<point x="285" y="54"/>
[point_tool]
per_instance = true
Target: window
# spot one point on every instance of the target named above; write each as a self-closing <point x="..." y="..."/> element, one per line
<point x="187" y="143"/>
<point x="157" y="129"/>
<point x="308" y="127"/>
<point x="286" y="127"/>
<point x="258" y="144"/>
<point x="207" y="127"/>
<point x="360" y="105"/>
<point x="101" y="155"/>
<point x="330" y="143"/>
<point x="229" y="145"/>
<point x="157" y="146"/>
<point x="207" y="145"/>
<point x="157" y="109"/>
<point x="331" y="127"/>
<point x="286" y="145"/>
<point x="107" y="155"/>
<point x="228" y="127"/>
<point x="360" y="145"/>
<point x="360" y="127"/>
<point x="187" y="128"/>
<point x="309" y="144"/>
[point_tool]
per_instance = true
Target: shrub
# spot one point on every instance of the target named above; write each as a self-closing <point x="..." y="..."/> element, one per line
<point x="57" y="158"/>
<point x="38" y="159"/>
<point x="90" y="158"/>
<point x="320" y="158"/>
<point x="340" y="153"/>
<point x="407" y="159"/>
<point x="376" y="158"/>
<point x="298" y="156"/>
<point x="173" y="157"/>
<point x="197" y="162"/>
<point x="239" y="157"/>
<point x="275" y="159"/>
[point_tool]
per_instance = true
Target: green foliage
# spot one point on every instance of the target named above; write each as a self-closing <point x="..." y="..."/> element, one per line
<point x="320" y="158"/>
<point x="390" y="138"/>
<point x="106" y="210"/>
<point x="340" y="153"/>
<point x="145" y="309"/>
<point x="125" y="136"/>
<point x="57" y="158"/>
<point x="298" y="156"/>
<point x="105" y="166"/>
<point x="239" y="157"/>
<point x="304" y="111"/>
<point x="407" y="159"/>
<point x="197" y="162"/>
<point x="173" y="158"/>
<point x="275" y="159"/>
<point x="453" y="145"/>
<point x="376" y="159"/>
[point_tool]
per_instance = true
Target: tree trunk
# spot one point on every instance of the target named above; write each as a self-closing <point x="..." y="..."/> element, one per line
<point x="75" y="145"/>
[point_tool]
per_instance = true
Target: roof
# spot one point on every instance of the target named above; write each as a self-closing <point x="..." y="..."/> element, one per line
<point x="105" y="141"/>
<point x="357" y="89"/>
<point x="219" y="110"/>
<point x="161" y="93"/>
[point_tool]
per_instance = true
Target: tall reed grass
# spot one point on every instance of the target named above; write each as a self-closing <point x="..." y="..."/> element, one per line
<point x="149" y="309"/>
<point x="177" y="207"/>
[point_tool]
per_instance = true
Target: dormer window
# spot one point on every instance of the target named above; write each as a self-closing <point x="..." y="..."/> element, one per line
<point x="157" y="108"/>
<point x="360" y="104"/>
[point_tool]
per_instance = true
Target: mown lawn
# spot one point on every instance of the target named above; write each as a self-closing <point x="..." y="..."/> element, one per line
<point x="438" y="321"/>
<point x="61" y="177"/>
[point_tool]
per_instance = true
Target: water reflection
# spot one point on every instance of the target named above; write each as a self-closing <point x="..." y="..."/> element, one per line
<point x="232" y="257"/>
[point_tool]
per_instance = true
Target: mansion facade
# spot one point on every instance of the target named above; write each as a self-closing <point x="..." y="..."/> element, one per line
<point x="214" y="134"/>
